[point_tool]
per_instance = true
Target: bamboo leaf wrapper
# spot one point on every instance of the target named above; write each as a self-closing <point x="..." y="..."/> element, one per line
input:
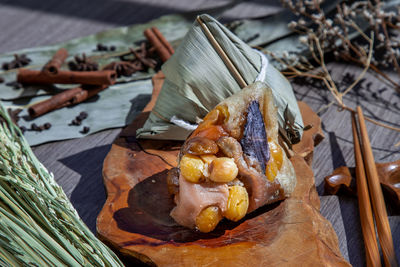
<point x="197" y="79"/>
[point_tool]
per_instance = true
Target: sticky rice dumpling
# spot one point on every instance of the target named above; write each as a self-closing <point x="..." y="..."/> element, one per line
<point x="233" y="163"/>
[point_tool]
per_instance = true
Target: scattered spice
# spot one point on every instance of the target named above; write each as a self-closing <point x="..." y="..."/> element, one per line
<point x="142" y="60"/>
<point x="124" y="68"/>
<point x="75" y="122"/>
<point x="84" y="71"/>
<point x="83" y="115"/>
<point x="83" y="63"/>
<point x="85" y="130"/>
<point x="142" y="57"/>
<point x="78" y="119"/>
<point x="47" y="125"/>
<point x="18" y="62"/>
<point x="14" y="85"/>
<point x="102" y="47"/>
<point x="36" y="128"/>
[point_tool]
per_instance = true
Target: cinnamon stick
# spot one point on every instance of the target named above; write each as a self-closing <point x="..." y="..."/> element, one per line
<point x="53" y="66"/>
<point x="86" y="93"/>
<point x="104" y="77"/>
<point x="164" y="41"/>
<point x="378" y="203"/>
<point x="55" y="102"/>
<point x="66" y="98"/>
<point x="161" y="49"/>
<point x="364" y="204"/>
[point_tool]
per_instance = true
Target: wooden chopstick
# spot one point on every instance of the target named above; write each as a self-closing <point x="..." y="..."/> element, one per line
<point x="364" y="205"/>
<point x="228" y="62"/>
<point x="378" y="203"/>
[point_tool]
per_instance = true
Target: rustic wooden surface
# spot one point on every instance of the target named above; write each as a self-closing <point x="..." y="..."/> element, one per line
<point x="343" y="179"/>
<point x="135" y="218"/>
<point x="27" y="23"/>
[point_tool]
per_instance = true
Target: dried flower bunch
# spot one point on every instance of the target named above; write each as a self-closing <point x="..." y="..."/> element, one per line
<point x="362" y="32"/>
<point x="336" y="31"/>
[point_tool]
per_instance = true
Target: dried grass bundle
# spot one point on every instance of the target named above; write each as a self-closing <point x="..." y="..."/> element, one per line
<point x="38" y="224"/>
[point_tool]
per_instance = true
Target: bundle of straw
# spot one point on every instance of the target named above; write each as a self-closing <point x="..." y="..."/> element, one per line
<point x="38" y="224"/>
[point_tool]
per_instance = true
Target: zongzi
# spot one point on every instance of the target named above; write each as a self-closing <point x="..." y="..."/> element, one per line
<point x="197" y="79"/>
<point x="232" y="163"/>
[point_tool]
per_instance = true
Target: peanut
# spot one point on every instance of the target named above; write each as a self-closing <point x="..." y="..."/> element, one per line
<point x="192" y="168"/>
<point x="208" y="219"/>
<point x="238" y="203"/>
<point x="223" y="170"/>
<point x="200" y="146"/>
<point x="208" y="158"/>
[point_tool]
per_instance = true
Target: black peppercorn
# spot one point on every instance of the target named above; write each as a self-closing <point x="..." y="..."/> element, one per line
<point x="34" y="127"/>
<point x="83" y="115"/>
<point x="85" y="130"/>
<point x="47" y="125"/>
<point x="14" y="85"/>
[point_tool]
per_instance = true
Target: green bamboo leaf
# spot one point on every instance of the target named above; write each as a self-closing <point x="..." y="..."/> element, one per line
<point x="117" y="106"/>
<point x="174" y="27"/>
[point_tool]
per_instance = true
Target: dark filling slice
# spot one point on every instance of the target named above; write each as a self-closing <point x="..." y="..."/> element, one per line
<point x="254" y="141"/>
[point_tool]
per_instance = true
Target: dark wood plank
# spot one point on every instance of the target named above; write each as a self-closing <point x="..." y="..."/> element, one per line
<point x="337" y="150"/>
<point x="77" y="165"/>
<point x="36" y="23"/>
<point x="135" y="219"/>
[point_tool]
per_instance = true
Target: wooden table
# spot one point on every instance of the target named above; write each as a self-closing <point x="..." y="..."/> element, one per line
<point x="77" y="164"/>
